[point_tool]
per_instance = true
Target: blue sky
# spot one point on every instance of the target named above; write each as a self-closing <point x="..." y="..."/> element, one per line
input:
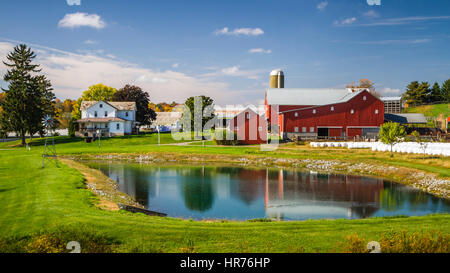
<point x="226" y="49"/>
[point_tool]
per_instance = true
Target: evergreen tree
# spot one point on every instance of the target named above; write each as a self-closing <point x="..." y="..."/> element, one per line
<point x="417" y="93"/>
<point x="445" y="91"/>
<point x="28" y="97"/>
<point x="435" y="94"/>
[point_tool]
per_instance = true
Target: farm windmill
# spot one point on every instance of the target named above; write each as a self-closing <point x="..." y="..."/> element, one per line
<point x="49" y="148"/>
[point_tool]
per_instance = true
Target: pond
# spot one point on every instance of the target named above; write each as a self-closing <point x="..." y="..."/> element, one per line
<point x="242" y="193"/>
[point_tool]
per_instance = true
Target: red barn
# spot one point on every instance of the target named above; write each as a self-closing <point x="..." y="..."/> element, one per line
<point x="249" y="127"/>
<point x="335" y="113"/>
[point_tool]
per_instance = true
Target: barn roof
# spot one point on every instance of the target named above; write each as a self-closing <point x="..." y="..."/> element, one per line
<point x="406" y="118"/>
<point x="119" y="105"/>
<point x="309" y="96"/>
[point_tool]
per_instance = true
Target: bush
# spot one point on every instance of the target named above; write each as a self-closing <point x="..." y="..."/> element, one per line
<point x="55" y="241"/>
<point x="401" y="242"/>
<point x="72" y="127"/>
<point x="224" y="140"/>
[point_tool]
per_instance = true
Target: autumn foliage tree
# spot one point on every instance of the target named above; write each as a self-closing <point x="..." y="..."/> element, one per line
<point x="366" y="84"/>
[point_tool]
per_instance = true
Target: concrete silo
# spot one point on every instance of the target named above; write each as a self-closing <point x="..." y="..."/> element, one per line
<point x="277" y="79"/>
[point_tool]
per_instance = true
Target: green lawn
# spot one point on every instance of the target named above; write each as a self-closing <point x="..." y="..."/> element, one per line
<point x="33" y="199"/>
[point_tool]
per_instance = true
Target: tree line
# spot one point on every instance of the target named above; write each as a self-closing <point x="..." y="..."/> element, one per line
<point x="422" y="93"/>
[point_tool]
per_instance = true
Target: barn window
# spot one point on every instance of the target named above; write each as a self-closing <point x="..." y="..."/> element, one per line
<point x="352" y="111"/>
<point x="95" y="114"/>
<point x="332" y="108"/>
<point x="314" y="111"/>
<point x="303" y="129"/>
<point x="376" y="111"/>
<point x="296" y="129"/>
<point x="118" y="126"/>
<point x="364" y="98"/>
<point x="236" y="128"/>
<point x="311" y="129"/>
<point x="101" y="105"/>
<point x="106" y="113"/>
<point x="126" y="114"/>
<point x="247" y="115"/>
<point x="296" y="114"/>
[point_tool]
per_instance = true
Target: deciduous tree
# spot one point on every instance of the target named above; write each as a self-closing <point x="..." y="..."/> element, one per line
<point x="391" y="133"/>
<point x="94" y="93"/>
<point x="144" y="114"/>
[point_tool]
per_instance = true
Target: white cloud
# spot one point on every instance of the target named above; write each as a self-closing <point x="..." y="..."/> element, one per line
<point x="406" y="20"/>
<point x="260" y="50"/>
<point x="387" y="91"/>
<point x="72" y="73"/>
<point x="371" y="14"/>
<point x="73" y="2"/>
<point x="235" y="71"/>
<point x="79" y="19"/>
<point x="175" y="65"/>
<point x="346" y="21"/>
<point x="322" y="5"/>
<point x="391" y="42"/>
<point x="240" y="31"/>
<point x="91" y="42"/>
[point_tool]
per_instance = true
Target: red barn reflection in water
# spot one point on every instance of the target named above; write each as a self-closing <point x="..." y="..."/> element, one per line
<point x="290" y="194"/>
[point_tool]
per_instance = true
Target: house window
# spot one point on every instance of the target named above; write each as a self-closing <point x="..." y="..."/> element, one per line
<point x="126" y="114"/>
<point x="376" y="111"/>
<point x="95" y="114"/>
<point x="332" y="108"/>
<point x="106" y="113"/>
<point x="352" y="111"/>
<point x="314" y="111"/>
<point x="296" y="114"/>
<point x="364" y="98"/>
<point x="311" y="129"/>
<point x="247" y="115"/>
<point x="303" y="129"/>
<point x="296" y="129"/>
<point x="118" y="126"/>
<point x="101" y="105"/>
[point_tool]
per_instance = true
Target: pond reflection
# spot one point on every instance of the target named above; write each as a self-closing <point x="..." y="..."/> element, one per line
<point x="243" y="193"/>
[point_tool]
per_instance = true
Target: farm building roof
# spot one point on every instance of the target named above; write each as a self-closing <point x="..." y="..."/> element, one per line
<point x="309" y="96"/>
<point x="167" y="118"/>
<point x="391" y="98"/>
<point x="99" y="120"/>
<point x="406" y="118"/>
<point x="119" y="105"/>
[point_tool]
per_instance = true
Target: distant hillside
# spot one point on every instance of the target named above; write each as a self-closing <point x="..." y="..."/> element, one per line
<point x="438" y="111"/>
<point x="431" y="110"/>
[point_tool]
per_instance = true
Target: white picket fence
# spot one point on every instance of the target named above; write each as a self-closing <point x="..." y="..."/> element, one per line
<point x="432" y="148"/>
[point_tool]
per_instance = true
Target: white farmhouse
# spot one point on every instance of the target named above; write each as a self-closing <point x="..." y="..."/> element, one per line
<point x="109" y="118"/>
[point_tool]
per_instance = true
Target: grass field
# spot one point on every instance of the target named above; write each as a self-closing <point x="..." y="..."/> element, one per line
<point x="35" y="200"/>
<point x="431" y="110"/>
